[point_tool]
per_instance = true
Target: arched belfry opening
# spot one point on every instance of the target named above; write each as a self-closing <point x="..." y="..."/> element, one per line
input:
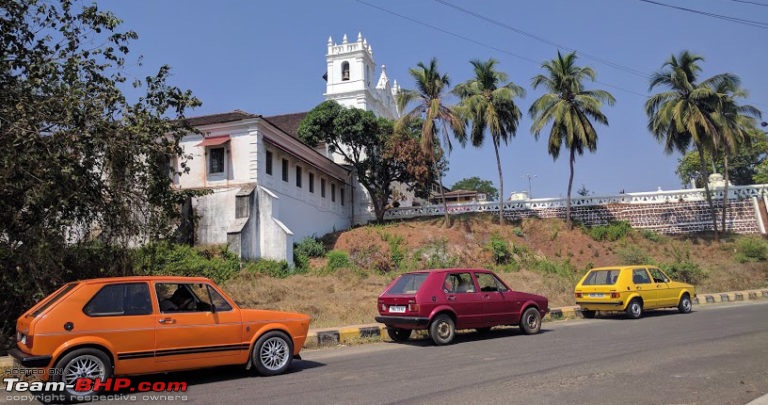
<point x="345" y="70"/>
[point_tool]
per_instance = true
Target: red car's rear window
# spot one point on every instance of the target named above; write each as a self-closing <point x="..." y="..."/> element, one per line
<point x="408" y="284"/>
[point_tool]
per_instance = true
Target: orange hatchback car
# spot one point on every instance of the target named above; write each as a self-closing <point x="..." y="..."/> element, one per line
<point x="137" y="325"/>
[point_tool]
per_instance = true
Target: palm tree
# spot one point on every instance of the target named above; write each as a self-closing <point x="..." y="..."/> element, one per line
<point x="734" y="123"/>
<point x="569" y="108"/>
<point x="487" y="103"/>
<point x="682" y="114"/>
<point x="438" y="118"/>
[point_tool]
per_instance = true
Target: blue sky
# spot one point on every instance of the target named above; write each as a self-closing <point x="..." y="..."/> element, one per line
<point x="268" y="57"/>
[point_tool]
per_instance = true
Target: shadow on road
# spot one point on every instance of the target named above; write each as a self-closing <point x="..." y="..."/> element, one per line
<point x="652" y="313"/>
<point x="470" y="335"/>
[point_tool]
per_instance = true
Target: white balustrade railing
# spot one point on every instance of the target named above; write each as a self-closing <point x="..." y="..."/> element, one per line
<point x="652" y="197"/>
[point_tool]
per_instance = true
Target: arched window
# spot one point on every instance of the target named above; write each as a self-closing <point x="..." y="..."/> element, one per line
<point x="345" y="71"/>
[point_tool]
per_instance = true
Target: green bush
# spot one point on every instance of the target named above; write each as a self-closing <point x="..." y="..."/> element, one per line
<point x="684" y="270"/>
<point x="751" y="250"/>
<point x="272" y="268"/>
<point x="437" y="255"/>
<point x="500" y="249"/>
<point x="611" y="232"/>
<point x="518" y="231"/>
<point x="164" y="258"/>
<point x="337" y="260"/>
<point x="395" y="249"/>
<point x="306" y="248"/>
<point x="650" y="235"/>
<point x="633" y="255"/>
<point x="309" y="247"/>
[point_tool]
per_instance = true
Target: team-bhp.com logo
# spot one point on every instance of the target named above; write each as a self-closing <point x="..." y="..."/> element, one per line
<point x="84" y="389"/>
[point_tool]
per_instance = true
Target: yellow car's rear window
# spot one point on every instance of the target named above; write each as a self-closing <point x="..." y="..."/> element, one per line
<point x="601" y="277"/>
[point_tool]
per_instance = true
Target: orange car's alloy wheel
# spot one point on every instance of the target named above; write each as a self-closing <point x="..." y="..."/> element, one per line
<point x="272" y="353"/>
<point x="83" y="363"/>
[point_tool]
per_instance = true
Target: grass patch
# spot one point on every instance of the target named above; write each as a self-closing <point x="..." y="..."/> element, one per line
<point x="611" y="232"/>
<point x="750" y="249"/>
<point x="337" y="260"/>
<point x="271" y="268"/>
<point x="633" y="255"/>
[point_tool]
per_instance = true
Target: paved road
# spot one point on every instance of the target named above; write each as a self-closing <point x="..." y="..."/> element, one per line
<point x="715" y="355"/>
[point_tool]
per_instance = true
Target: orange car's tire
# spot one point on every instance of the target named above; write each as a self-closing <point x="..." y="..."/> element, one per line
<point x="82" y="363"/>
<point x="685" y="306"/>
<point x="272" y="353"/>
<point x="398" y="334"/>
<point x="530" y="322"/>
<point x="442" y="330"/>
<point x="634" y="309"/>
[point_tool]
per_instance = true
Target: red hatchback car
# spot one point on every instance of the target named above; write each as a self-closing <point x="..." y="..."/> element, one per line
<point x="443" y="300"/>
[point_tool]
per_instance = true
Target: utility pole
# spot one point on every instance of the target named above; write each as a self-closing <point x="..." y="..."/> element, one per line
<point x="530" y="178"/>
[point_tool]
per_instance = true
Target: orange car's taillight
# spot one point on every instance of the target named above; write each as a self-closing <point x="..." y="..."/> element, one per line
<point x="413" y="306"/>
<point x="615" y="295"/>
<point x="578" y="295"/>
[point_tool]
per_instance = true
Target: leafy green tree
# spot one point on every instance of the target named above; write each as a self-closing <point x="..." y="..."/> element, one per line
<point x="488" y="103"/>
<point x="681" y="115"/>
<point x="80" y="163"/>
<point x="436" y="117"/>
<point x="570" y="109"/>
<point x="734" y="123"/>
<point x="362" y="139"/>
<point x="743" y="168"/>
<point x="475" y="183"/>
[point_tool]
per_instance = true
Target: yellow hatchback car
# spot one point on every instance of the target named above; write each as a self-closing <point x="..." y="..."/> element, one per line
<point x="631" y="289"/>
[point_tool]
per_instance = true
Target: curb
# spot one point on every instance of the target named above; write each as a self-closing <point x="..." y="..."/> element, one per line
<point x="327" y="337"/>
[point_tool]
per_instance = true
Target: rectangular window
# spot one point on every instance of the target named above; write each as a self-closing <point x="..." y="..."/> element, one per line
<point x="298" y="176"/>
<point x="341" y="192"/>
<point x="311" y="182"/>
<point x="333" y="192"/>
<point x="285" y="170"/>
<point x="269" y="163"/>
<point x="120" y="299"/>
<point x="322" y="188"/>
<point x="215" y="160"/>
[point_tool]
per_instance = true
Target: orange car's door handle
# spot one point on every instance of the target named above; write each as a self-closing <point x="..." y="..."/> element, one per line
<point x="451" y="298"/>
<point x="166" y="320"/>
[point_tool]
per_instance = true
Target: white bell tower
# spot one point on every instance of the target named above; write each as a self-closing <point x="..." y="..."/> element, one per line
<point x="350" y="82"/>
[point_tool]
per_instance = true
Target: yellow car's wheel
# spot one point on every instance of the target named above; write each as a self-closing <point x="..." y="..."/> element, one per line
<point x="685" y="306"/>
<point x="634" y="309"/>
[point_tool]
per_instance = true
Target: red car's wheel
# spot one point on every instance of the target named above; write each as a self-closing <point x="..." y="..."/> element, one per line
<point x="442" y="330"/>
<point x="530" y="322"/>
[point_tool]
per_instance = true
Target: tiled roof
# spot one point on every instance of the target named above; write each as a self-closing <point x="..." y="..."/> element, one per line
<point x="460" y="192"/>
<point x="231" y="116"/>
<point x="289" y="123"/>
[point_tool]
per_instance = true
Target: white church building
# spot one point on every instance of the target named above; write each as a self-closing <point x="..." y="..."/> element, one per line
<point x="267" y="189"/>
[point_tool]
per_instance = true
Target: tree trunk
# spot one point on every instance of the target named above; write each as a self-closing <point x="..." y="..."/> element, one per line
<point x="726" y="200"/>
<point x="705" y="176"/>
<point x="501" y="183"/>
<point x="568" y="197"/>
<point x="445" y="203"/>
